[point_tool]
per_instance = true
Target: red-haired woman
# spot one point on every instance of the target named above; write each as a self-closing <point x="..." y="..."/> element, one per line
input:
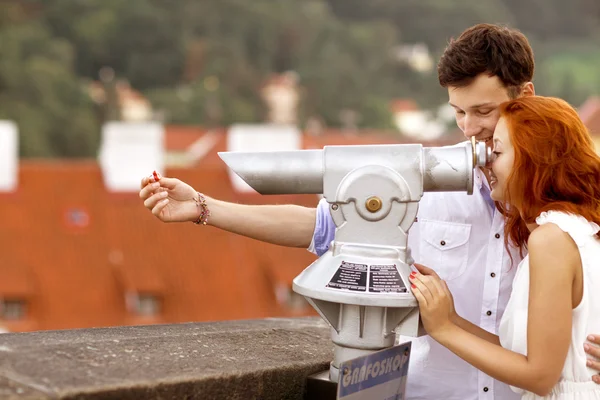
<point x="546" y="174"/>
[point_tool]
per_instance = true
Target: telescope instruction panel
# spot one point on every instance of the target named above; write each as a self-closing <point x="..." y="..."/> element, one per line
<point x="350" y="276"/>
<point x="380" y="278"/>
<point x="385" y="278"/>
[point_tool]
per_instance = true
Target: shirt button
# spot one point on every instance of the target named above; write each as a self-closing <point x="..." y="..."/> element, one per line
<point x="485" y="389"/>
<point x="493" y="274"/>
<point x="488" y="313"/>
<point x="443" y="243"/>
<point x="497" y="236"/>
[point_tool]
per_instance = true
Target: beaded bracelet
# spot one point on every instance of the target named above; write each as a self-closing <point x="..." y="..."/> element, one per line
<point x="204" y="211"/>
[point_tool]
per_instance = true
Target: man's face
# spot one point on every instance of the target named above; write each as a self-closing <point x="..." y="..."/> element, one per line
<point x="476" y="106"/>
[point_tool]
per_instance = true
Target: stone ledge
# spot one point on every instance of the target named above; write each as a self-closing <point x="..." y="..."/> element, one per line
<point x="253" y="359"/>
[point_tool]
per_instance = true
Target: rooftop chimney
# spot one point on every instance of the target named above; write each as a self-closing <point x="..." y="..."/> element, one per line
<point x="9" y="156"/>
<point x="130" y="151"/>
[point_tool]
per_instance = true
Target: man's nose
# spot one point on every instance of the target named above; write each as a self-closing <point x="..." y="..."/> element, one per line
<point x="472" y="127"/>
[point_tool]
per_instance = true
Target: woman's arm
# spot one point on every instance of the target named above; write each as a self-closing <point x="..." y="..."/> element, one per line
<point x="473" y="329"/>
<point x="553" y="260"/>
<point x="454" y="317"/>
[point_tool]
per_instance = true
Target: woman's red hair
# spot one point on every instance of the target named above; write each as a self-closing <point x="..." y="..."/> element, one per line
<point x="556" y="166"/>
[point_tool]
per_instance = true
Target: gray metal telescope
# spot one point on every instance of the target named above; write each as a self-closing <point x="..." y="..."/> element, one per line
<point x="360" y="285"/>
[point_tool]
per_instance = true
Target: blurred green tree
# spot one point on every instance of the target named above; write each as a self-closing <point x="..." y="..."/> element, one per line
<point x="204" y="61"/>
<point x="40" y="91"/>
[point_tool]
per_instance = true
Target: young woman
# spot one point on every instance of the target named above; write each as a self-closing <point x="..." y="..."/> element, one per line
<point x="546" y="174"/>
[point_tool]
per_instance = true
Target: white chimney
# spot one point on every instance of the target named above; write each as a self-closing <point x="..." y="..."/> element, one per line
<point x="128" y="152"/>
<point x="260" y="137"/>
<point x="9" y="156"/>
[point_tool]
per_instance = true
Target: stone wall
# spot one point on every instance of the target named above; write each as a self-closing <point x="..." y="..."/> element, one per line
<point x="253" y="359"/>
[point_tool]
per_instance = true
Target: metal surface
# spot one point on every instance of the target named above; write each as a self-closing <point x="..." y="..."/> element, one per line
<point x="320" y="387"/>
<point x="303" y="171"/>
<point x="279" y="172"/>
<point x="373" y="204"/>
<point x="360" y="285"/>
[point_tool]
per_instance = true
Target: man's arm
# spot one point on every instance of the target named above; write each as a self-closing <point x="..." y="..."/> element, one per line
<point x="285" y="225"/>
<point x="172" y="200"/>
<point x="594" y="351"/>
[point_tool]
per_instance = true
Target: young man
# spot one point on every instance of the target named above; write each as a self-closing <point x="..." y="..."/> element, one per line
<point x="459" y="236"/>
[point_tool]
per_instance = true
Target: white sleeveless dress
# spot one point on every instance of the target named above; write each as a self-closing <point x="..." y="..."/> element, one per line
<point x="576" y="378"/>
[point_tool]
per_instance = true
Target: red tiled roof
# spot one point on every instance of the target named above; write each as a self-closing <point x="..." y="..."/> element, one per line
<point x="73" y="250"/>
<point x="400" y="105"/>
<point x="181" y="137"/>
<point x="336" y="137"/>
<point x="85" y="247"/>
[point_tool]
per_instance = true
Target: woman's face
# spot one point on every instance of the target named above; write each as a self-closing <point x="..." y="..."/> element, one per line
<point x="504" y="157"/>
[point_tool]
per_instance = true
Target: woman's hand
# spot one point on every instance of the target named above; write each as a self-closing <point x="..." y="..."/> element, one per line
<point x="429" y="272"/>
<point x="436" y="303"/>
<point x="169" y="199"/>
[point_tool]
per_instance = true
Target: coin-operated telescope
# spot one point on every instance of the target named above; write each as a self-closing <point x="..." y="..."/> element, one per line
<point x="360" y="285"/>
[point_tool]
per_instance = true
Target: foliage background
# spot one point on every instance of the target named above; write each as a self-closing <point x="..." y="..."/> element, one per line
<point x="202" y="61"/>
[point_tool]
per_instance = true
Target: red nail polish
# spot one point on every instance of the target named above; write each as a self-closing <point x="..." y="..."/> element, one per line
<point x="156" y="176"/>
<point x="412" y="285"/>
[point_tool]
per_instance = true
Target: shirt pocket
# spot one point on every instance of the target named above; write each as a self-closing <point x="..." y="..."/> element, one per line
<point x="444" y="247"/>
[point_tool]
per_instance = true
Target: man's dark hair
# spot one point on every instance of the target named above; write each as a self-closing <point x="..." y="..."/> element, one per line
<point x="494" y="49"/>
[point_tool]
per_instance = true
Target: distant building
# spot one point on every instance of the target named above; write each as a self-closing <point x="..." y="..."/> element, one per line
<point x="414" y="123"/>
<point x="589" y="112"/>
<point x="132" y="105"/>
<point x="281" y="95"/>
<point x="416" y="56"/>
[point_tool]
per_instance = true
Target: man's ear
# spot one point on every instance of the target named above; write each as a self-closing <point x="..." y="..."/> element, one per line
<point x="528" y="89"/>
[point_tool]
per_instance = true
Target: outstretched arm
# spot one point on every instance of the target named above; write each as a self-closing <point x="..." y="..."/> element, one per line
<point x="172" y="200"/>
<point x="285" y="225"/>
